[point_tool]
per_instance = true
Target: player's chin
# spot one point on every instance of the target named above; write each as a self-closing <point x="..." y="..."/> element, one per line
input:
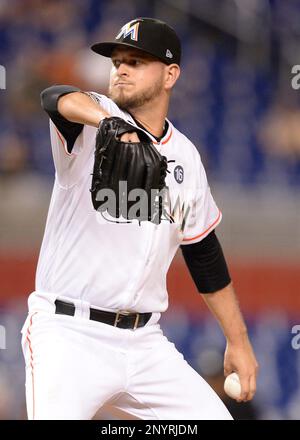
<point x="121" y="98"/>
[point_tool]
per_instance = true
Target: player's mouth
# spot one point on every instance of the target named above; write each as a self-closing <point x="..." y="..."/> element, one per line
<point x="123" y="84"/>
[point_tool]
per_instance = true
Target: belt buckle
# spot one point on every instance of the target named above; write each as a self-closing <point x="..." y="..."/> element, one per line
<point x="117" y="319"/>
<point x="126" y="313"/>
<point x="136" y="321"/>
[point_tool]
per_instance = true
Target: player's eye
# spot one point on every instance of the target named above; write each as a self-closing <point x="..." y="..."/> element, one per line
<point x="116" y="63"/>
<point x="131" y="62"/>
<point x="135" y="62"/>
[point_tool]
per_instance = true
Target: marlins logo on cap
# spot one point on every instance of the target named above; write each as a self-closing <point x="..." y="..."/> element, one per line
<point x="129" y="29"/>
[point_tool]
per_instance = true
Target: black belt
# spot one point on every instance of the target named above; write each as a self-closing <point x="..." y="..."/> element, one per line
<point x="120" y="319"/>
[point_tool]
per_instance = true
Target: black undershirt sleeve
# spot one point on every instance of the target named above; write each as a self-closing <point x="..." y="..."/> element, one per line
<point x="207" y="265"/>
<point x="49" y="99"/>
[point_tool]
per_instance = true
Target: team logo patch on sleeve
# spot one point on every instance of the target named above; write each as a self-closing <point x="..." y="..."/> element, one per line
<point x="179" y="174"/>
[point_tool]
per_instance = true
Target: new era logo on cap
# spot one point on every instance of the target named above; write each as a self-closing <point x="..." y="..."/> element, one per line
<point x="169" y="54"/>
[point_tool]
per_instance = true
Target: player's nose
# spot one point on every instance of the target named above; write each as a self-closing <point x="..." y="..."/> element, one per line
<point x="122" y="69"/>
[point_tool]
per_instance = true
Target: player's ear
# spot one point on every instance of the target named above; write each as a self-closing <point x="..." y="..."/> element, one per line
<point x="171" y="75"/>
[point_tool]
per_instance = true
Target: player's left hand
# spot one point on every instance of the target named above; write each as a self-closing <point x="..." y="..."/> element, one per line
<point x="239" y="357"/>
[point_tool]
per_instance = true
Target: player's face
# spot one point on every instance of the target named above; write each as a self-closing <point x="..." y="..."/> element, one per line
<point x="136" y="78"/>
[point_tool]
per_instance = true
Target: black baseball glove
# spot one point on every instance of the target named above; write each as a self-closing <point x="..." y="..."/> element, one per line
<point x="128" y="177"/>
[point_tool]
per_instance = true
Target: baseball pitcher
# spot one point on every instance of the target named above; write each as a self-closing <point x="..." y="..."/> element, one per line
<point x="129" y="190"/>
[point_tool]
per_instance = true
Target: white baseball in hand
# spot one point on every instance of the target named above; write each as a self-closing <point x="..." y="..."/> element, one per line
<point x="232" y="386"/>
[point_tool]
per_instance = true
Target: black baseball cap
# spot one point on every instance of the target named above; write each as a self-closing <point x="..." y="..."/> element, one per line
<point x="152" y="36"/>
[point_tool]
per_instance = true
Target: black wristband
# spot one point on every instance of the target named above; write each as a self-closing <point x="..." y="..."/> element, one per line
<point x="207" y="265"/>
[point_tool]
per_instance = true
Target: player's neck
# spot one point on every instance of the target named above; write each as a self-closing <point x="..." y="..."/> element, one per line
<point x="151" y="117"/>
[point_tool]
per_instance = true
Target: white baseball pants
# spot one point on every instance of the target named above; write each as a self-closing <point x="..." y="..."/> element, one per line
<point x="74" y="366"/>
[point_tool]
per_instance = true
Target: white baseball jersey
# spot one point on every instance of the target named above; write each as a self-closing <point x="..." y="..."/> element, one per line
<point x="113" y="265"/>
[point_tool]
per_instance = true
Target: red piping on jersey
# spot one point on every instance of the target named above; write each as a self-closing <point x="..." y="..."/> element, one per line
<point x="202" y="233"/>
<point x="167" y="140"/>
<point x="31" y="363"/>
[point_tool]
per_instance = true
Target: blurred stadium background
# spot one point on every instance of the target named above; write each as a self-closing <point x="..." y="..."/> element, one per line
<point x="235" y="102"/>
